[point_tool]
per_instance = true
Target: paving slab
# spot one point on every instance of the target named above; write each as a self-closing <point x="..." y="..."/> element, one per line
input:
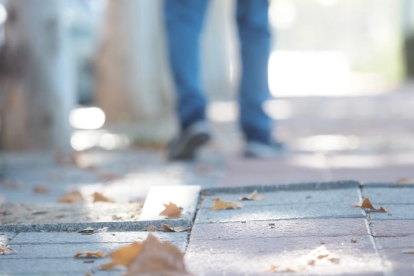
<point x="49" y="266"/>
<point x="392" y="228"/>
<point x="280" y="228"/>
<point x="396" y="212"/>
<point x="284" y="204"/>
<point x="107" y="237"/>
<point x="68" y="250"/>
<point x="17" y="213"/>
<point x="244" y="257"/>
<point x="185" y="197"/>
<point x="390" y="195"/>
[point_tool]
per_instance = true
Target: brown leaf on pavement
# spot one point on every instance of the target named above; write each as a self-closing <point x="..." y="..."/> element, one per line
<point x="123" y="256"/>
<point x="223" y="205"/>
<point x="408" y="251"/>
<point x="173" y="229"/>
<point x="171" y="211"/>
<point x="41" y="190"/>
<point x="151" y="228"/>
<point x="276" y="268"/>
<point x="319" y="254"/>
<point x="71" y="197"/>
<point x="106" y="175"/>
<point x="405" y="180"/>
<point x="5" y="248"/>
<point x="158" y="258"/>
<point x="89" y="254"/>
<point x="253" y="196"/>
<point x="98" y="197"/>
<point x="366" y="204"/>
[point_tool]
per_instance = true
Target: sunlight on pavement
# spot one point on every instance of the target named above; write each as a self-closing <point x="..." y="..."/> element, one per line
<point x="82" y="140"/>
<point x="328" y="143"/>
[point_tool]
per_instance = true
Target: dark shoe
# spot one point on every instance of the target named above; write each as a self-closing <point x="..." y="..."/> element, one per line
<point x="186" y="145"/>
<point x="256" y="149"/>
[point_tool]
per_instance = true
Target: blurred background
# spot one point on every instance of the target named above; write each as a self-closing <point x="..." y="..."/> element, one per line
<point x="78" y="75"/>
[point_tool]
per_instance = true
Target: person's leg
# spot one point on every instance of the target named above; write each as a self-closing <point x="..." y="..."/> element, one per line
<point x="252" y="21"/>
<point x="184" y="21"/>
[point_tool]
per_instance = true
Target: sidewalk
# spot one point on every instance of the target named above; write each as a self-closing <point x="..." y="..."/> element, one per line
<point x="280" y="230"/>
<point x="330" y="139"/>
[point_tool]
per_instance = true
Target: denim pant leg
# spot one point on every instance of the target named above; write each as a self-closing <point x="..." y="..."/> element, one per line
<point x="253" y="21"/>
<point x="184" y="21"/>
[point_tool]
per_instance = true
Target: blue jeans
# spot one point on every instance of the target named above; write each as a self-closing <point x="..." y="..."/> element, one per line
<point x="184" y="22"/>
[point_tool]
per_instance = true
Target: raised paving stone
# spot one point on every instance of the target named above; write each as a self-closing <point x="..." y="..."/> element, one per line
<point x="303" y="211"/>
<point x="281" y="228"/>
<point x="285" y="205"/>
<point x="185" y="197"/>
<point x="392" y="228"/>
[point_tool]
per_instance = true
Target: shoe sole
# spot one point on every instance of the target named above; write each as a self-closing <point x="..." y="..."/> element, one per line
<point x="195" y="142"/>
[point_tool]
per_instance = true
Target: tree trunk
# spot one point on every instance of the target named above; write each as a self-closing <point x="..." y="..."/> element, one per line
<point x="36" y="78"/>
<point x="132" y="79"/>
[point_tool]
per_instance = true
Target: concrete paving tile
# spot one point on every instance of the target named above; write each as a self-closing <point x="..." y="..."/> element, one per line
<point x="355" y="258"/>
<point x="269" y="212"/>
<point x="265" y="246"/>
<point x="276" y="198"/>
<point x="392" y="228"/>
<point x="185" y="197"/>
<point x="48" y="266"/>
<point x="379" y="195"/>
<point x="397" y="263"/>
<point x="397" y="212"/>
<point x="399" y="243"/>
<point x="107" y="237"/>
<point x="51" y="250"/>
<point x="6" y="237"/>
<point x="280" y="228"/>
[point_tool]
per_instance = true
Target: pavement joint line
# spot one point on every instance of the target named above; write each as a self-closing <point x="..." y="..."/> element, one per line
<point x="304" y="218"/>
<point x="361" y="194"/>
<point x="330" y="185"/>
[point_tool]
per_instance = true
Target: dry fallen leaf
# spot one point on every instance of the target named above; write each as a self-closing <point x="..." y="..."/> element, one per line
<point x="366" y="204"/>
<point x="276" y="268"/>
<point x="5" y="248"/>
<point x="151" y="228"/>
<point x="106" y="176"/>
<point x="253" y="196"/>
<point x="408" y="251"/>
<point x="89" y="254"/>
<point x="98" y="197"/>
<point x="320" y="254"/>
<point x="123" y="256"/>
<point x="223" y="205"/>
<point x="173" y="229"/>
<point x="158" y="258"/>
<point x="405" y="180"/>
<point x="71" y="197"/>
<point x="41" y="190"/>
<point x="171" y="211"/>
